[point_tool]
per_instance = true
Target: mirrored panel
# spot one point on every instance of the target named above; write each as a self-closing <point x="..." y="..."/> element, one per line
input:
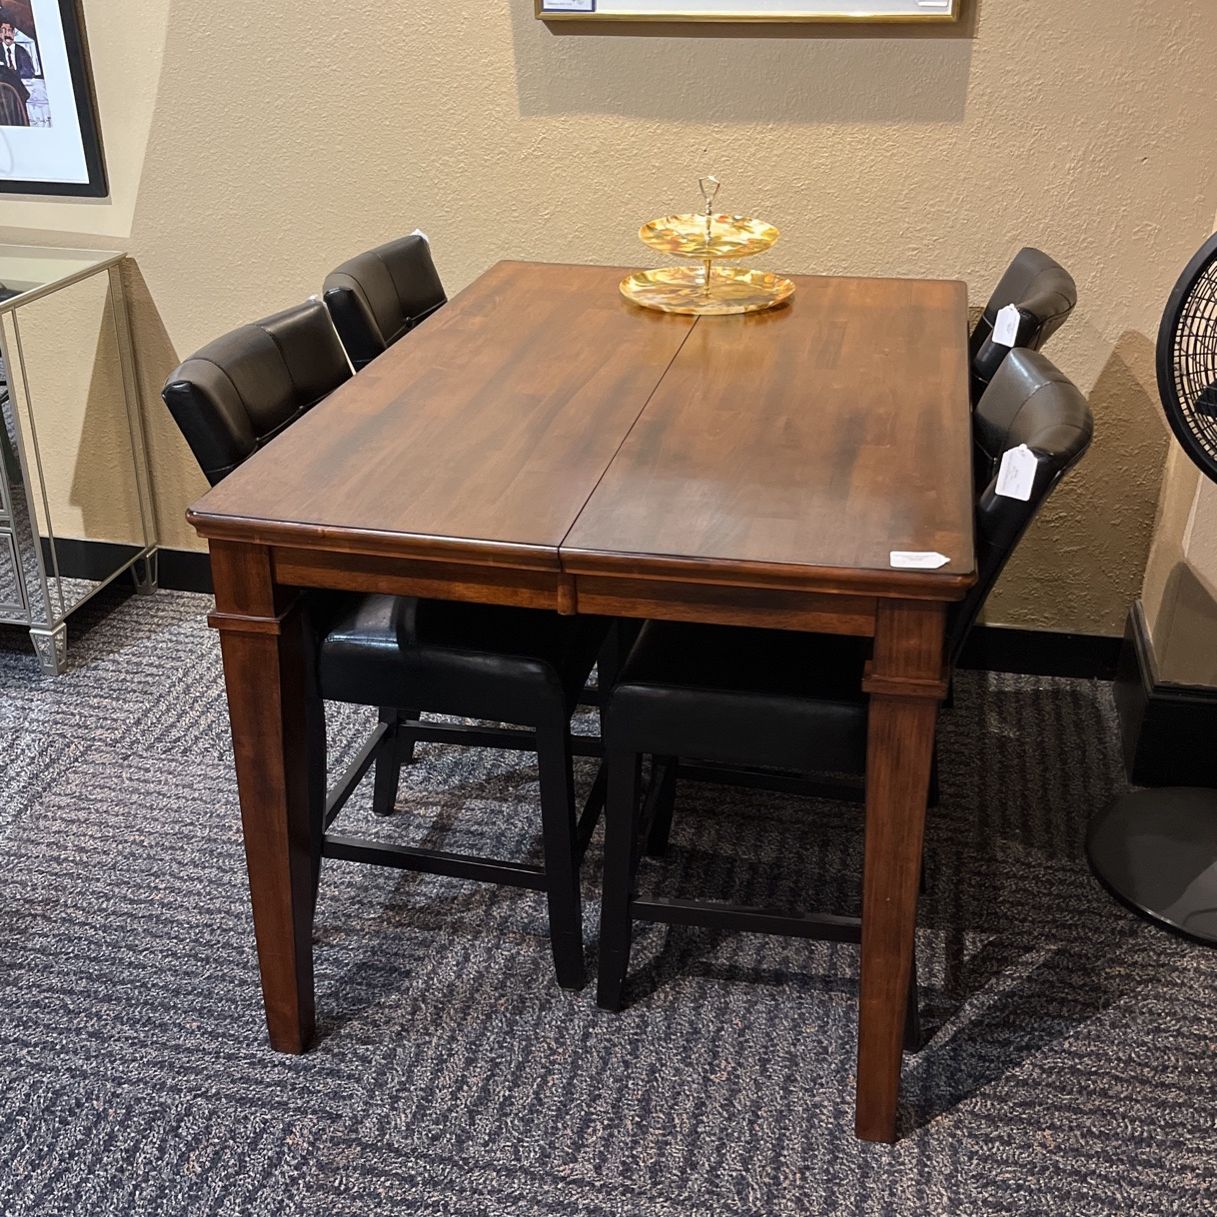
<point x="75" y="502"/>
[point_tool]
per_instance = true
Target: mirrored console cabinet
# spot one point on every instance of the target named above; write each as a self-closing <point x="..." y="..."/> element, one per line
<point x="75" y="493"/>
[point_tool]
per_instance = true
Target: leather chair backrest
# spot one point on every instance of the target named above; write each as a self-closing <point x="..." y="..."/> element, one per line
<point x="377" y="297"/>
<point x="1029" y="402"/>
<point x="237" y="393"/>
<point x="1044" y="293"/>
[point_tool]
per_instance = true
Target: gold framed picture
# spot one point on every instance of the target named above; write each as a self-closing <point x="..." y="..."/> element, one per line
<point x="748" y="10"/>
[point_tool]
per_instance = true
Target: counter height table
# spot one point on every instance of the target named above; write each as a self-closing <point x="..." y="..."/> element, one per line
<point x="542" y="442"/>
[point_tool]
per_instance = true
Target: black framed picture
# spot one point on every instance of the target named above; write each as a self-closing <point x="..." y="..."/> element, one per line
<point x="49" y="138"/>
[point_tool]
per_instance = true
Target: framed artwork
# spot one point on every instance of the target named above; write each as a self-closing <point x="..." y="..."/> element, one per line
<point x="49" y="141"/>
<point x="748" y="10"/>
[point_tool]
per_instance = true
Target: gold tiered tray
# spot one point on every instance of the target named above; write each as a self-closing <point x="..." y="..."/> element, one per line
<point x="707" y="290"/>
<point x="715" y="236"/>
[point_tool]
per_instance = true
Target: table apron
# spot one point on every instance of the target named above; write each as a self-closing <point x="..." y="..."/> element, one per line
<point x="609" y="596"/>
<point x="472" y="582"/>
<point x="720" y="604"/>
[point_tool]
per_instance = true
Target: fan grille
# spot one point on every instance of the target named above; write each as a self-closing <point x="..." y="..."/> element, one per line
<point x="1188" y="361"/>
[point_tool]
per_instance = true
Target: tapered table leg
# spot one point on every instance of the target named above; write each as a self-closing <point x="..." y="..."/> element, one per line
<point x="906" y="683"/>
<point x="279" y="746"/>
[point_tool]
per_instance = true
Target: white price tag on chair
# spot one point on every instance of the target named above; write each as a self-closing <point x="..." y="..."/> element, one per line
<point x="1005" y="327"/>
<point x="1016" y="475"/>
<point x="418" y="232"/>
<point x="917" y="559"/>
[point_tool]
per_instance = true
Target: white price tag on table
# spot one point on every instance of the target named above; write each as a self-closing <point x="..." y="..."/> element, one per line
<point x="917" y="559"/>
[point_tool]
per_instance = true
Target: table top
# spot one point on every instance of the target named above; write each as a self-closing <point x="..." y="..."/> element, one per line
<point x="486" y="430"/>
<point x="541" y="419"/>
<point x="828" y="432"/>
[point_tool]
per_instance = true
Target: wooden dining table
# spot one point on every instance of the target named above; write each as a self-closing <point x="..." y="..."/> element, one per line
<point x="542" y="442"/>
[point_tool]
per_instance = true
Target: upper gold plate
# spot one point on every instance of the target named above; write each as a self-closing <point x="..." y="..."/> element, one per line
<point x="728" y="237"/>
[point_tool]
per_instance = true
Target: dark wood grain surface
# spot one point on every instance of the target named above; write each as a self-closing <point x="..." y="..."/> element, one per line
<point x="825" y="434"/>
<point x="540" y="441"/>
<point x="484" y="433"/>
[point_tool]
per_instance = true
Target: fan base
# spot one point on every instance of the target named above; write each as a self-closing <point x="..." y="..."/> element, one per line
<point x="1156" y="851"/>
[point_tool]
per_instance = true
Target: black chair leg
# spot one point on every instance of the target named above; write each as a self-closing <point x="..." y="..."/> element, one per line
<point x="407" y="737"/>
<point x="396" y="750"/>
<point x="621" y="636"/>
<point x="663" y="772"/>
<point x="610" y="659"/>
<point x="620" y="831"/>
<point x="562" y="889"/>
<point x="912" y="1012"/>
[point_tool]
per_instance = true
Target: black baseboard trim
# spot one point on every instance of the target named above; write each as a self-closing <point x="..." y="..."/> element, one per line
<point x="990" y="648"/>
<point x="184" y="570"/>
<point x="1167" y="730"/>
<point x="999" y="648"/>
<point x="92" y="560"/>
<point x="180" y="570"/>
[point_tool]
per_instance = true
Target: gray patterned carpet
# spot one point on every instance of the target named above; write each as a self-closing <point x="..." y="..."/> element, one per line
<point x="1072" y="1068"/>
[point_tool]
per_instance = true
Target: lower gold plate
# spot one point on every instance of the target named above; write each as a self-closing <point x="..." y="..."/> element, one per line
<point x="684" y="289"/>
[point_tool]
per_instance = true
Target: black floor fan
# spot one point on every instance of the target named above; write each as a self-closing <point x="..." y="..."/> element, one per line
<point x="1156" y="850"/>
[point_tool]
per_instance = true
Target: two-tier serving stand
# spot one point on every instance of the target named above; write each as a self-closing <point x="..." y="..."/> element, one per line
<point x="708" y="288"/>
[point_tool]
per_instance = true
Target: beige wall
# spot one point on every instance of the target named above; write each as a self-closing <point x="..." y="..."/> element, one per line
<point x="278" y="141"/>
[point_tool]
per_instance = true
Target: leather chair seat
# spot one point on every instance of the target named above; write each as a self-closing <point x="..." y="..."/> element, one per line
<point x="768" y="698"/>
<point x="511" y="665"/>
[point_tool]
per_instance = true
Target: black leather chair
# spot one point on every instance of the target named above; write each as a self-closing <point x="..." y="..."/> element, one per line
<point x="378" y="297"/>
<point x="405" y="655"/>
<point x="790" y="702"/>
<point x="1044" y="293"/>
